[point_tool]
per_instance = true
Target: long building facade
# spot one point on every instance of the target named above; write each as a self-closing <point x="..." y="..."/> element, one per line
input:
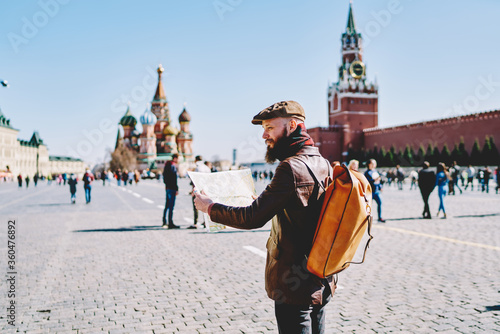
<point x="30" y="157"/>
<point x="353" y="114"/>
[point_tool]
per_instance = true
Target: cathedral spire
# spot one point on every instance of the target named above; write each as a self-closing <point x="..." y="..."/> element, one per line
<point x="160" y="92"/>
<point x="351" y="26"/>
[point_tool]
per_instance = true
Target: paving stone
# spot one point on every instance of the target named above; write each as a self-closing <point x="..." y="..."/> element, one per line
<point x="110" y="267"/>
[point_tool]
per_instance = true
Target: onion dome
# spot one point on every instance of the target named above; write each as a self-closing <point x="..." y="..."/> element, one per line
<point x="184" y="116"/>
<point x="170" y="131"/>
<point x="128" y="119"/>
<point x="148" y="118"/>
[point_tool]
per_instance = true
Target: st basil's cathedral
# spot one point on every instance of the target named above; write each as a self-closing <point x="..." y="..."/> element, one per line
<point x="159" y="139"/>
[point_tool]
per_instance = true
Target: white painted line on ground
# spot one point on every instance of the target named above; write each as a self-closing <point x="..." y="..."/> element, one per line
<point x="432" y="236"/>
<point x="160" y="207"/>
<point x="256" y="251"/>
<point x="147" y="200"/>
<point x="136" y="195"/>
<point x="130" y="191"/>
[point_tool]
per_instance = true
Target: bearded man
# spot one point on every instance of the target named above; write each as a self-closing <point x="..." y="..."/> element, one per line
<point x="292" y="200"/>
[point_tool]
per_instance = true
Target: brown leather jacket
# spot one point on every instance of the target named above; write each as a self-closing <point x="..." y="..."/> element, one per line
<point x="291" y="201"/>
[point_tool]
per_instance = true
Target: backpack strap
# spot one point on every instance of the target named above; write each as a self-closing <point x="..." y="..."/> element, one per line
<point x="316" y="179"/>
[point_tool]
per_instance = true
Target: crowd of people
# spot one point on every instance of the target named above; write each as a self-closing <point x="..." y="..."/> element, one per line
<point x="445" y="179"/>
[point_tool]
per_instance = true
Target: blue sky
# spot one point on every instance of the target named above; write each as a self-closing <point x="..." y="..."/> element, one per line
<point x="72" y="65"/>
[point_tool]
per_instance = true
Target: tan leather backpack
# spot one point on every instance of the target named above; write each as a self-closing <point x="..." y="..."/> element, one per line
<point x="344" y="218"/>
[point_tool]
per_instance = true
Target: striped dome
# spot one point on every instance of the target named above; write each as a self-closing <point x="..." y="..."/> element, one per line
<point x="148" y="118"/>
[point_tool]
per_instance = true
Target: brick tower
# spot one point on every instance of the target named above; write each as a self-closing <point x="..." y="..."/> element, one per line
<point x="352" y="100"/>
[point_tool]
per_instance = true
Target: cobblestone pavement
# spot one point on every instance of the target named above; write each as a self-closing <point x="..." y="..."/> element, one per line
<point x="108" y="267"/>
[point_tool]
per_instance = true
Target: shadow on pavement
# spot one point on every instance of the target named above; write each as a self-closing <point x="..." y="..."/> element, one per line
<point x="478" y="216"/>
<point x="396" y="219"/>
<point x="50" y="204"/>
<point x="233" y="231"/>
<point x="124" y="229"/>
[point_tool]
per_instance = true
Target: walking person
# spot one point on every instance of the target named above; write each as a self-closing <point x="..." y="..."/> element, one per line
<point x="442" y="179"/>
<point x="20" y="180"/>
<point x="72" y="187"/>
<point x="400" y="176"/>
<point x="35" y="179"/>
<point x="27" y="180"/>
<point x="414" y="179"/>
<point x="291" y="200"/>
<point x="88" y="177"/>
<point x="125" y="177"/>
<point x="471" y="173"/>
<point x="497" y="179"/>
<point x="486" y="179"/>
<point x="103" y="177"/>
<point x="426" y="183"/>
<point x="201" y="167"/>
<point x="172" y="190"/>
<point x="375" y="182"/>
<point x="119" y="177"/>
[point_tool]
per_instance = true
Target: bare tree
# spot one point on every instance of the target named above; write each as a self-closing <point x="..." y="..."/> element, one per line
<point x="123" y="158"/>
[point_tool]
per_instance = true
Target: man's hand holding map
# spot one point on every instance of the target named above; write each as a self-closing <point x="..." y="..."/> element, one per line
<point x="234" y="188"/>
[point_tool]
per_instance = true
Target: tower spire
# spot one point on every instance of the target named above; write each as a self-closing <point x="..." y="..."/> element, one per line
<point x="351" y="26"/>
<point x="160" y="92"/>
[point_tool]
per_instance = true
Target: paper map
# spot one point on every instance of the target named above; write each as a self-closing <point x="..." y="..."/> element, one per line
<point x="233" y="188"/>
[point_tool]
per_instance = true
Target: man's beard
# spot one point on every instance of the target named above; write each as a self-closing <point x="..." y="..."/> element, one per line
<point x="279" y="150"/>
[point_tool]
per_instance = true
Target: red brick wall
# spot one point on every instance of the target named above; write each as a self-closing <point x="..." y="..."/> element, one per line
<point x="329" y="142"/>
<point x="438" y="132"/>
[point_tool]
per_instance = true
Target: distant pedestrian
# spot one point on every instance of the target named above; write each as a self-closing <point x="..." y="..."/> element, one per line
<point x="414" y="179"/>
<point x="137" y="176"/>
<point x="480" y="179"/>
<point x="103" y="177"/>
<point x="72" y="187"/>
<point x="88" y="177"/>
<point x="201" y="167"/>
<point x="426" y="183"/>
<point x="442" y="179"/>
<point x="118" y="176"/>
<point x="130" y="177"/>
<point x="486" y="179"/>
<point x="20" y="180"/>
<point x="400" y="177"/>
<point x="471" y="173"/>
<point x="125" y="177"/>
<point x="110" y="176"/>
<point x="171" y="189"/>
<point x="353" y="165"/>
<point x="375" y="182"/>
<point x="27" y="180"/>
<point x="455" y="175"/>
<point x="35" y="179"/>
<point x="497" y="178"/>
